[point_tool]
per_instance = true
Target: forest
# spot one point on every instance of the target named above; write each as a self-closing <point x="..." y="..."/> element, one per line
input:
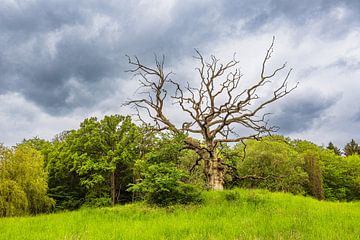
<point x="114" y="161"/>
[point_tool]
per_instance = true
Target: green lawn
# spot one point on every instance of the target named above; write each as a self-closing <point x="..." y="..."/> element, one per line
<point x="234" y="214"/>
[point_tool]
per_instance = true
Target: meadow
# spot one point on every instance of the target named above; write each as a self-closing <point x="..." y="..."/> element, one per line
<point x="230" y="214"/>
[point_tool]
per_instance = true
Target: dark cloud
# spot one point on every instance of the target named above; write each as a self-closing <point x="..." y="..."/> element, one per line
<point x="24" y="17"/>
<point x="260" y="13"/>
<point x="356" y="116"/>
<point x="300" y="114"/>
<point x="51" y="49"/>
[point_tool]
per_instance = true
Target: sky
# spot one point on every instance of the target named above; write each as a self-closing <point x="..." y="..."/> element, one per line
<point x="62" y="61"/>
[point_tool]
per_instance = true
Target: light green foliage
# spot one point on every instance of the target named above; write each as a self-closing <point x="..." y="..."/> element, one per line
<point x="13" y="200"/>
<point x="303" y="146"/>
<point x="341" y="176"/>
<point x="274" y="164"/>
<point x="167" y="149"/>
<point x="236" y="214"/>
<point x="23" y="182"/>
<point x="41" y="145"/>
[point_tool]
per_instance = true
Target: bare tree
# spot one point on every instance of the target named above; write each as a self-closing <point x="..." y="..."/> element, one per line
<point x="216" y="108"/>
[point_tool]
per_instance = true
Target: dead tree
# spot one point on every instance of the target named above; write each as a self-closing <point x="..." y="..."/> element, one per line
<point x="215" y="107"/>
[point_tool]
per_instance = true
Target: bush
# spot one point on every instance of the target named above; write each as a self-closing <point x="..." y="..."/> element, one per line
<point x="341" y="176"/>
<point x="164" y="184"/>
<point x="275" y="165"/>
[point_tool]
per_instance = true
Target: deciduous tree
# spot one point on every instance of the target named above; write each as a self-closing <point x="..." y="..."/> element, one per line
<point x="216" y="108"/>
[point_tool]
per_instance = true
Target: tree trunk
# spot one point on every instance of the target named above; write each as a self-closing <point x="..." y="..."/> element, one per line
<point x="113" y="189"/>
<point x="214" y="172"/>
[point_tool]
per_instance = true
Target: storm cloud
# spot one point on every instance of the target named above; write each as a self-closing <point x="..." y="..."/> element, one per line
<point x="67" y="61"/>
<point x="303" y="113"/>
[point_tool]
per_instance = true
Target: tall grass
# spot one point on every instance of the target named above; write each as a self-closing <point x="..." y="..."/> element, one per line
<point x="235" y="214"/>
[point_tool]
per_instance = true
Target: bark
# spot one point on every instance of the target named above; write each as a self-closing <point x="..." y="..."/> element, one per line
<point x="216" y="177"/>
<point x="214" y="171"/>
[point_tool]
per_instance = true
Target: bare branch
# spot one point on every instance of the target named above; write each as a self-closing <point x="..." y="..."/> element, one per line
<point x="215" y="108"/>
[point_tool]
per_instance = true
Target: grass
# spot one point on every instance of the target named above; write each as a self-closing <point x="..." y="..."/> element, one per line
<point x="233" y="214"/>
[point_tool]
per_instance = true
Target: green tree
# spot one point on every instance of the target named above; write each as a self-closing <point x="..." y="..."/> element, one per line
<point x="23" y="182"/>
<point x="272" y="164"/>
<point x="13" y="200"/>
<point x="341" y="176"/>
<point x="64" y="182"/>
<point x="93" y="165"/>
<point x="351" y="148"/>
<point x="332" y="147"/>
<point x="103" y="153"/>
<point x="310" y="152"/>
<point x="39" y="144"/>
<point x="312" y="167"/>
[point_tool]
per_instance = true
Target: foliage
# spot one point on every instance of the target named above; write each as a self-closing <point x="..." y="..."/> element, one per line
<point x="64" y="183"/>
<point x="161" y="173"/>
<point x="95" y="161"/>
<point x="39" y="144"/>
<point x="164" y="184"/>
<point x="351" y="148"/>
<point x="332" y="147"/>
<point x="23" y="182"/>
<point x="13" y="200"/>
<point x="310" y="152"/>
<point x="341" y="176"/>
<point x="166" y="149"/>
<point x="95" y="165"/>
<point x="312" y="167"/>
<point x="272" y="164"/>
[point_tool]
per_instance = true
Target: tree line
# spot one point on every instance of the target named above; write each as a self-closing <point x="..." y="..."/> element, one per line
<point x="113" y="161"/>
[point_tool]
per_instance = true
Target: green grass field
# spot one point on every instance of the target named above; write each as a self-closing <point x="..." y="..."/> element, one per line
<point x="234" y="214"/>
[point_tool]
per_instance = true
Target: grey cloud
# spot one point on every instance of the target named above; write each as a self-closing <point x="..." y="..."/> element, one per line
<point x="356" y="116"/>
<point x="260" y="13"/>
<point x="300" y="114"/>
<point x="95" y="63"/>
<point x="28" y="17"/>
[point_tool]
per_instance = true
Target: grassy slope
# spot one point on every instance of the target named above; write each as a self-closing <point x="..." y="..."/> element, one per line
<point x="235" y="214"/>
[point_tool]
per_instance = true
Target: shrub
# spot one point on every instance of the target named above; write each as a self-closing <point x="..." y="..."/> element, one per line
<point x="164" y="184"/>
<point x="275" y="165"/>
